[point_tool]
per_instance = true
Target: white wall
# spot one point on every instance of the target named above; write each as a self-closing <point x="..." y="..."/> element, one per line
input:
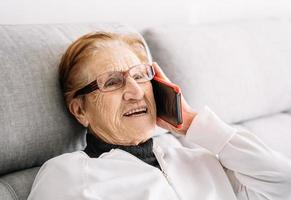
<point x="216" y="10"/>
<point x="139" y="13"/>
<point x="134" y="12"/>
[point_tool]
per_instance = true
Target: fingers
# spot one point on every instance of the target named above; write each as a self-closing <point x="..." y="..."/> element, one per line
<point x="159" y="72"/>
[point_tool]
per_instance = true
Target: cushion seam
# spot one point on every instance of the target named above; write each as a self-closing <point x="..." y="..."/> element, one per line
<point x="10" y="189"/>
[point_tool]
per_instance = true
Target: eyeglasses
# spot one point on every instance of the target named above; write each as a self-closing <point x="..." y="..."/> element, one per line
<point x="111" y="81"/>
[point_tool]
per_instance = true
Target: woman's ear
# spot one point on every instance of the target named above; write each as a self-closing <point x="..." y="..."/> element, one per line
<point x="76" y="108"/>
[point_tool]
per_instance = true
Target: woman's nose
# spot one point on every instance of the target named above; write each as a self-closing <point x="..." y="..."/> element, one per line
<point x="132" y="90"/>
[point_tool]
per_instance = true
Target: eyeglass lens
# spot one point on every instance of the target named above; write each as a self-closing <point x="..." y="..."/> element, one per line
<point x="115" y="80"/>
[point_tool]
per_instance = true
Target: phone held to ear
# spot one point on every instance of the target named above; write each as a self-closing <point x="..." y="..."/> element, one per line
<point x="168" y="101"/>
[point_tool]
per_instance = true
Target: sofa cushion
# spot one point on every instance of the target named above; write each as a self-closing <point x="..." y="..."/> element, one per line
<point x="34" y="122"/>
<point x="274" y="130"/>
<point x="241" y="70"/>
<point x="17" y="184"/>
<point x="5" y="193"/>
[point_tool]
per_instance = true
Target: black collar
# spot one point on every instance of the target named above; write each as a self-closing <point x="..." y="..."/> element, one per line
<point x="144" y="151"/>
<point x="95" y="147"/>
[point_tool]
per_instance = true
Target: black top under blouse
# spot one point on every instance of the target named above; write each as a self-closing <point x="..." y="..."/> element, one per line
<point x="144" y="151"/>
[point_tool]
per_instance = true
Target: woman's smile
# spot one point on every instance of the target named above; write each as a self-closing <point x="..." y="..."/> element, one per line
<point x="137" y="113"/>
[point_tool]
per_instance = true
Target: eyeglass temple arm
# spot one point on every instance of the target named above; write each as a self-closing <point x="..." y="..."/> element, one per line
<point x="87" y="89"/>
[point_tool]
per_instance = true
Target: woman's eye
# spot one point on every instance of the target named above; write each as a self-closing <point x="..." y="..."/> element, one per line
<point x="112" y="82"/>
<point x="137" y="76"/>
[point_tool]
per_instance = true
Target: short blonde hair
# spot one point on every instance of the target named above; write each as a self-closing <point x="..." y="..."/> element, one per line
<point x="82" y="48"/>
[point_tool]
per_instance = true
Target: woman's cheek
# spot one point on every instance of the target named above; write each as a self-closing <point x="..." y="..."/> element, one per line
<point x="110" y="111"/>
<point x="153" y="110"/>
<point x="101" y="109"/>
<point x="151" y="100"/>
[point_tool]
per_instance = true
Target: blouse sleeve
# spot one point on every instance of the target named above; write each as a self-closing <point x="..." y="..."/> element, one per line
<point x="255" y="170"/>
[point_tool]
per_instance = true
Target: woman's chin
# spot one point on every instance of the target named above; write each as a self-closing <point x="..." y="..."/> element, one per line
<point x="141" y="123"/>
<point x="142" y="131"/>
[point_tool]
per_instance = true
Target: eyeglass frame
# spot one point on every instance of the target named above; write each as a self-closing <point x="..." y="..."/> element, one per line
<point x="92" y="86"/>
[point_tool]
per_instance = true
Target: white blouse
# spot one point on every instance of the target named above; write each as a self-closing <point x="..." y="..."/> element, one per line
<point x="219" y="162"/>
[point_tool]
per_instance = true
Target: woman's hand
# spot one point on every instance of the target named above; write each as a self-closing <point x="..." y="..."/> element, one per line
<point x="187" y="113"/>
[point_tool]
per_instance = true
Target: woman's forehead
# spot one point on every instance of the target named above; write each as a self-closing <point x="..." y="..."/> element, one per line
<point x="116" y="59"/>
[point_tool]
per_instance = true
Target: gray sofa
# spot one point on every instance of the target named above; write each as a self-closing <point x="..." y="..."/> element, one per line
<point x="241" y="70"/>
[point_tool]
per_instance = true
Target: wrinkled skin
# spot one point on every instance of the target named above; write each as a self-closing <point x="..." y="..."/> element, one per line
<point x="102" y="112"/>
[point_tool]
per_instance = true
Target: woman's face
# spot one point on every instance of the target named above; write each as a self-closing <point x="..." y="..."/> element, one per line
<point x="105" y="110"/>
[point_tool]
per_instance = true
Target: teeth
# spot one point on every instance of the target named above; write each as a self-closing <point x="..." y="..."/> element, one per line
<point x="136" y="110"/>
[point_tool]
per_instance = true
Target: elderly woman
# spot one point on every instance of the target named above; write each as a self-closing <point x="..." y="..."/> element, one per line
<point x="106" y="82"/>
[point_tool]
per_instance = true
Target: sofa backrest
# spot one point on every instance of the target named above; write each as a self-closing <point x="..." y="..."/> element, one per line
<point x="241" y="69"/>
<point x="34" y="123"/>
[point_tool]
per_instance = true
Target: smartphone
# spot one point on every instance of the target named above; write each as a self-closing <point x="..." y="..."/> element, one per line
<point x="168" y="101"/>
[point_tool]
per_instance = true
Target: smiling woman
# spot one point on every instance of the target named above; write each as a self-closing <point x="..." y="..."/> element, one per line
<point x="106" y="81"/>
<point x="99" y="76"/>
